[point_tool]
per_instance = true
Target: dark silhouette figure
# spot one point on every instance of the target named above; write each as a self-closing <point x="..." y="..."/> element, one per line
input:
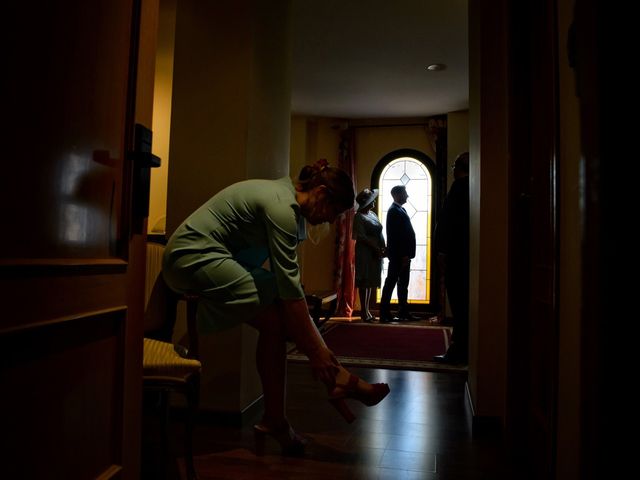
<point x="401" y="248"/>
<point x="370" y="249"/>
<point x="452" y="247"/>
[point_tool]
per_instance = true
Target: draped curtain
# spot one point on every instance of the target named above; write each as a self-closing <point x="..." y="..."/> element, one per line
<point x="345" y="246"/>
<point x="437" y="135"/>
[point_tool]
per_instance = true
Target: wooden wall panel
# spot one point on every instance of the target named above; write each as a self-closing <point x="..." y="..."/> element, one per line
<point x="62" y="397"/>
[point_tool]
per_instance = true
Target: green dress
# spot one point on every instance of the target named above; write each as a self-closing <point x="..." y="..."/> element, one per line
<point x="238" y="252"/>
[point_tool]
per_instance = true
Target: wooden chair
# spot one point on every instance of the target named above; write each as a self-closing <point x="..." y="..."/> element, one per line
<point x="322" y="305"/>
<point x="167" y="367"/>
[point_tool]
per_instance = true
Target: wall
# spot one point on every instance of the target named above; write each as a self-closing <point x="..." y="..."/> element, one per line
<point x="268" y="135"/>
<point x="163" y="88"/>
<point x="374" y="142"/>
<point x="266" y="150"/>
<point x="457" y="139"/>
<point x="210" y="108"/>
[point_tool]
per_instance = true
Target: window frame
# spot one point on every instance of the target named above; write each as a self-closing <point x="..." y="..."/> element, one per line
<point x="436" y="200"/>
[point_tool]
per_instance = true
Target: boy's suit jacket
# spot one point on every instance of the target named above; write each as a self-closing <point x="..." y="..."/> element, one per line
<point x="401" y="239"/>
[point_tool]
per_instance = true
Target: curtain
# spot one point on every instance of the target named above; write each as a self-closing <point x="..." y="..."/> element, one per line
<point x="437" y="135"/>
<point x="345" y="246"/>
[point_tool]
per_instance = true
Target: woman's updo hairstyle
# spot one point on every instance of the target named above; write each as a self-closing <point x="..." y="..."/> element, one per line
<point x="337" y="181"/>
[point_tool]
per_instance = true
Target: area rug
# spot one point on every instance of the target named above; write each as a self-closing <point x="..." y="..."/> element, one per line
<point x="386" y="346"/>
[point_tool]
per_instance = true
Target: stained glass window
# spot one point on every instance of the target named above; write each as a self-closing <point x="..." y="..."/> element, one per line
<point x="413" y="174"/>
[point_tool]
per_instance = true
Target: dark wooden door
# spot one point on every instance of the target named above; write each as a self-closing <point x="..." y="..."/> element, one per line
<point x="72" y="261"/>
<point x="533" y="363"/>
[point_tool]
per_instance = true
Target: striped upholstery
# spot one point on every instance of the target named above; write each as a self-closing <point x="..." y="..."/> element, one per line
<point x="154" y="267"/>
<point x="161" y="360"/>
<point x="156" y="314"/>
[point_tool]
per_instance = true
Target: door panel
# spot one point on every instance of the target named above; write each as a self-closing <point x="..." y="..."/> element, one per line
<point x="67" y="378"/>
<point x="68" y="106"/>
<point x="71" y="266"/>
<point x="533" y="330"/>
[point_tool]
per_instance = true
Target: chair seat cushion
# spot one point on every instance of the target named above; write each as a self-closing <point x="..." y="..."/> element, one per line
<point x="161" y="360"/>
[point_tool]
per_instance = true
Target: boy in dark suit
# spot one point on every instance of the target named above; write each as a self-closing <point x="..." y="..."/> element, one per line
<point x="401" y="248"/>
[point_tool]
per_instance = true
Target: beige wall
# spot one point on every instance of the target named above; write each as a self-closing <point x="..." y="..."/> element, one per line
<point x="374" y="142"/>
<point x="457" y="139"/>
<point x="210" y="111"/>
<point x="162" y="115"/>
<point x="270" y="91"/>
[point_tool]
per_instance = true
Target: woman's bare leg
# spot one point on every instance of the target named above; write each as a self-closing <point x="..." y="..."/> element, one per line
<point x="275" y="324"/>
<point x="271" y="362"/>
<point x="291" y="320"/>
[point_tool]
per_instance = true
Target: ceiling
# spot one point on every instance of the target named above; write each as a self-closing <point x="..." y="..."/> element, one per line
<point x="368" y="58"/>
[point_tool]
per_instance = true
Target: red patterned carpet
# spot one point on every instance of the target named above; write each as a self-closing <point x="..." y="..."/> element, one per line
<point x="387" y="346"/>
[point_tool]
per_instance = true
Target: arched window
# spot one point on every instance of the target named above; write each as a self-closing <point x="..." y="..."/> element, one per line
<point x="415" y="171"/>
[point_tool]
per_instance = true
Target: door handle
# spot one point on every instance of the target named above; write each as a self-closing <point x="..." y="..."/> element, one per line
<point x="143" y="161"/>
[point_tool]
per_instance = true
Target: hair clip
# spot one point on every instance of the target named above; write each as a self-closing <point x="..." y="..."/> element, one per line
<point x="322" y="164"/>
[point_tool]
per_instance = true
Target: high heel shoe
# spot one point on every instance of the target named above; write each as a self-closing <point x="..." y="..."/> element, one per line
<point x="291" y="443"/>
<point x="342" y="392"/>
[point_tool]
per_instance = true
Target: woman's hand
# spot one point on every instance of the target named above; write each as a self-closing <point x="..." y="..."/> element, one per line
<point x="300" y="327"/>
<point x="324" y="366"/>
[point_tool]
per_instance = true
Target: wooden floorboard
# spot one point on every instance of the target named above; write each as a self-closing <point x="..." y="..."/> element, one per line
<point x="422" y="430"/>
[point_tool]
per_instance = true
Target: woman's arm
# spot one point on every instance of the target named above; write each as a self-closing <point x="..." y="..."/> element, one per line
<point x="301" y="328"/>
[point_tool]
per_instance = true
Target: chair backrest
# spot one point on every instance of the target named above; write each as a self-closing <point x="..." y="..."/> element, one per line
<point x="154" y="268"/>
<point x="160" y="301"/>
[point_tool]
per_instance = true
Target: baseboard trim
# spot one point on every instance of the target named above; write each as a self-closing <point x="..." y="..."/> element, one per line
<point x="482" y="426"/>
<point x="469" y="398"/>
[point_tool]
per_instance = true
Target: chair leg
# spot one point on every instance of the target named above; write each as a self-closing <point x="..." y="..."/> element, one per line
<point x="164" y="428"/>
<point x="192" y="394"/>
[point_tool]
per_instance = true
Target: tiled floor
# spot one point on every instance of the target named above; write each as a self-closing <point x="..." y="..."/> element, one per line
<point x="422" y="430"/>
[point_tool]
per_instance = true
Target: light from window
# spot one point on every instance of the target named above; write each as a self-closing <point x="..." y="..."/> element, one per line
<point x="414" y="175"/>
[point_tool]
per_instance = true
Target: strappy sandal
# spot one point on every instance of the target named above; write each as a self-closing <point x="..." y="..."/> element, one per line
<point x="350" y="391"/>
